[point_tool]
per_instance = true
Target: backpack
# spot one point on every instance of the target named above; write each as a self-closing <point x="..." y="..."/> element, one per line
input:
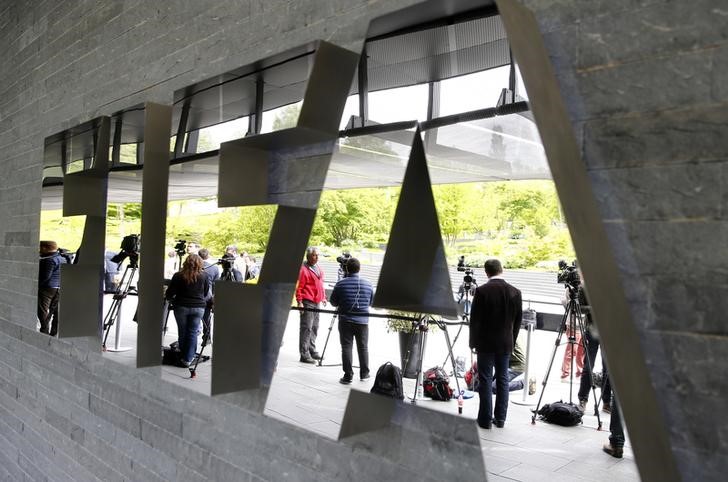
<point x="436" y="384"/>
<point x="388" y="382"/>
<point x="560" y="413"/>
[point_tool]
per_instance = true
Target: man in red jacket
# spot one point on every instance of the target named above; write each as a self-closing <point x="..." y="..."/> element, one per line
<point x="309" y="293"/>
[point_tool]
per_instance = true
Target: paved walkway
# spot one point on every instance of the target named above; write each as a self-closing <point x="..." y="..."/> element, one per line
<point x="311" y="397"/>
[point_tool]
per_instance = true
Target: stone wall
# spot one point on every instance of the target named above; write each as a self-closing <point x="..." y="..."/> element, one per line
<point x="644" y="82"/>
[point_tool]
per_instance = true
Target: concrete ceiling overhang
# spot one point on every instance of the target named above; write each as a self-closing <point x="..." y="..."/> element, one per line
<point x="489" y="148"/>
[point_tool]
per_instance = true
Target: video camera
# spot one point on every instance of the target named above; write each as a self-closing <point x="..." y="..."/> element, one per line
<point x="468" y="279"/>
<point x="227" y="262"/>
<point x="181" y="247"/>
<point x="130" y="246"/>
<point x="568" y="273"/>
<point x="342" y="260"/>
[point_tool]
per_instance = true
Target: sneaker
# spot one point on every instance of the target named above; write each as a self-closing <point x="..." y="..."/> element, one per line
<point x="315" y="355"/>
<point x="615" y="452"/>
<point x="582" y="405"/>
<point x="565" y="379"/>
<point x="307" y="360"/>
<point x="606" y="407"/>
<point x="182" y="364"/>
<point x="366" y="377"/>
<point x="345" y="381"/>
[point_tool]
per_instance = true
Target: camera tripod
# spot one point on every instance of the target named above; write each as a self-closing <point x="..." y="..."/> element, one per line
<point x="464" y="298"/>
<point x="421" y="328"/>
<point x="326" y="343"/>
<point x="572" y="320"/>
<point x="114" y="313"/>
<point x="206" y="325"/>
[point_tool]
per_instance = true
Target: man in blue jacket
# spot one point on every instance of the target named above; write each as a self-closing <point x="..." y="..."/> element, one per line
<point x="353" y="297"/>
<point x="49" y="282"/>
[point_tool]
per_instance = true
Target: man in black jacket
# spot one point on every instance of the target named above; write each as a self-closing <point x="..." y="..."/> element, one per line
<point x="495" y="320"/>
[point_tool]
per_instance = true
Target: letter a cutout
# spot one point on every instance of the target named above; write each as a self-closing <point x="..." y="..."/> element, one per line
<point x="414" y="274"/>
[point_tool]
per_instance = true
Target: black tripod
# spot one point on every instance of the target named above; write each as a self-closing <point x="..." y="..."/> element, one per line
<point x="122" y="291"/>
<point x="420" y="327"/>
<point x="466" y="288"/>
<point x="572" y="320"/>
<point x="206" y="324"/>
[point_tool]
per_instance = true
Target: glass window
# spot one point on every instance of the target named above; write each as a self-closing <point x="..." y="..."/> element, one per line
<point x="472" y="92"/>
<point x="211" y="137"/>
<point x="402" y="104"/>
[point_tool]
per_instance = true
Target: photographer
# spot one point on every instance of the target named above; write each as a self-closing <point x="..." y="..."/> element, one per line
<point x="111" y="272"/>
<point x="49" y="283"/>
<point x="353" y="296"/>
<point x="189" y="291"/>
<point x="230" y="264"/>
<point x="592" y="347"/>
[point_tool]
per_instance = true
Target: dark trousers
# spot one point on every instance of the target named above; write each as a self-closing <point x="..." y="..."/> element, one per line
<point x="48" y="310"/>
<point x="592" y="347"/>
<point x="616" y="436"/>
<point x="348" y="332"/>
<point x="308" y="330"/>
<point x="486" y="363"/>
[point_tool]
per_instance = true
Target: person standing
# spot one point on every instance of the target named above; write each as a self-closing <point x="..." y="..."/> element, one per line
<point x="495" y="320"/>
<point x="111" y="272"/>
<point x="309" y="293"/>
<point x="189" y="292"/>
<point x="353" y="296"/>
<point x="49" y="283"/>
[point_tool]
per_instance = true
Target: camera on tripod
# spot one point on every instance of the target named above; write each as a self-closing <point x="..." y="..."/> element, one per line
<point x="181" y="247"/>
<point x="343" y="260"/>
<point x="568" y="274"/>
<point x="468" y="278"/>
<point x="130" y="246"/>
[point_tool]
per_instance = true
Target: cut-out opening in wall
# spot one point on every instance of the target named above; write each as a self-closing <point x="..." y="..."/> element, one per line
<point x="474" y="127"/>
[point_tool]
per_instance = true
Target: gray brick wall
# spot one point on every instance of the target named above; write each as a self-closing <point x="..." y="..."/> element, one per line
<point x="644" y="81"/>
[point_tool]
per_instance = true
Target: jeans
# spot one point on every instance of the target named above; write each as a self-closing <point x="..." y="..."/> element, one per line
<point x="348" y="332"/>
<point x="188" y="325"/>
<point x="308" y="330"/>
<point x="486" y="363"/>
<point x="616" y="436"/>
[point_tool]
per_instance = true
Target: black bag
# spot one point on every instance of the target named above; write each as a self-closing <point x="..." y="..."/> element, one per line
<point x="560" y="413"/>
<point x="388" y="381"/>
<point x="171" y="355"/>
<point x="436" y="384"/>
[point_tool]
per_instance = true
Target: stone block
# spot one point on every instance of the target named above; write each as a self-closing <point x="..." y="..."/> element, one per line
<point x="115" y="415"/>
<point x="682" y="136"/>
<point x="175" y="446"/>
<point x="661" y="29"/>
<point x="649" y="85"/>
<point x="658" y="247"/>
<point x="720" y="70"/>
<point x="650" y="193"/>
<point x="690" y="304"/>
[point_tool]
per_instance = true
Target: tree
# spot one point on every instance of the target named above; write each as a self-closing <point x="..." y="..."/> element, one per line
<point x="287" y="116"/>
